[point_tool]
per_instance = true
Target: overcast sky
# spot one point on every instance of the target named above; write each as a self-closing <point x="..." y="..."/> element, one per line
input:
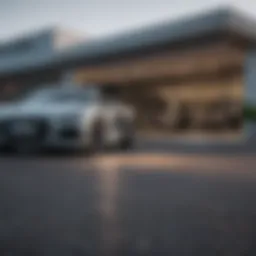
<point x="99" y="17"/>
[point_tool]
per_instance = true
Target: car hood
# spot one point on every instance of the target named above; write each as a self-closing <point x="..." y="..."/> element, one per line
<point x="41" y="110"/>
<point x="7" y="109"/>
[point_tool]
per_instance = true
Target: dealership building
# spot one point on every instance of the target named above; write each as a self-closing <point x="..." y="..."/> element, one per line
<point x="183" y="76"/>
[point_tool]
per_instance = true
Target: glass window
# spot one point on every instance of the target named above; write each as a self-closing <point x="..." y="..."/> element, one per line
<point x="64" y="95"/>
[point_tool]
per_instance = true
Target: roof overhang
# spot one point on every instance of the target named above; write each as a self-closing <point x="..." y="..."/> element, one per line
<point x="217" y="21"/>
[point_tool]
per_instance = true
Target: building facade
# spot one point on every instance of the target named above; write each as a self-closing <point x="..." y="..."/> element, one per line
<point x="184" y="76"/>
<point x="19" y="57"/>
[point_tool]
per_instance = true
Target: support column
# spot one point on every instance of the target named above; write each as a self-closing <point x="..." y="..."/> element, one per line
<point x="250" y="94"/>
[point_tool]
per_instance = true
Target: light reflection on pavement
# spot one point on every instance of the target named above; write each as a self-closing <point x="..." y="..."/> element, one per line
<point x="130" y="204"/>
<point x="189" y="163"/>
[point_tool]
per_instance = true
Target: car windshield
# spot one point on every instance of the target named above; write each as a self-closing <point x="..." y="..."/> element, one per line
<point x="63" y="95"/>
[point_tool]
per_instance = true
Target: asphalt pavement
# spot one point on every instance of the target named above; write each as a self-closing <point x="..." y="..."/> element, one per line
<point x="128" y="204"/>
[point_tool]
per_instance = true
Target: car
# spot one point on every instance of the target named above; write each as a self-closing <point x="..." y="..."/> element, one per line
<point x="66" y="117"/>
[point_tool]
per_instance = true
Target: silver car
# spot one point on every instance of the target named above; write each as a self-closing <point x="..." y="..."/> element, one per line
<point x="71" y="118"/>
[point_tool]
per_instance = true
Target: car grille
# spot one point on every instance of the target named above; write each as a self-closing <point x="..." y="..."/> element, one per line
<point x="3" y="127"/>
<point x="40" y="127"/>
<point x="69" y="133"/>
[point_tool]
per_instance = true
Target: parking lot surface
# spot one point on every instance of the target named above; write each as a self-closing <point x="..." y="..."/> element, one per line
<point x="128" y="204"/>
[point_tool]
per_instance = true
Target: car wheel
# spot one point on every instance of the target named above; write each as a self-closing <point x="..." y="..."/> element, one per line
<point x="127" y="142"/>
<point x="97" y="141"/>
